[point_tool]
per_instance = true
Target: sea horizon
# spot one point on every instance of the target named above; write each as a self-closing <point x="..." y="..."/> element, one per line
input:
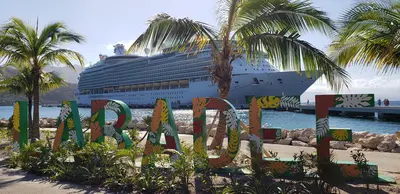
<point x="270" y="118"/>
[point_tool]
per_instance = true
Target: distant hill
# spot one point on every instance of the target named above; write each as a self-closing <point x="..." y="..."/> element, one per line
<point x="68" y="74"/>
<point x="55" y="96"/>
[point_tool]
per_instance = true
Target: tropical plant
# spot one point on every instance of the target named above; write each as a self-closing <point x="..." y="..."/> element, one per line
<point x="22" y="83"/>
<point x="252" y="29"/>
<point x="122" y="176"/>
<point x="183" y="168"/>
<point x="369" y="36"/>
<point x="35" y="157"/>
<point x="21" y="43"/>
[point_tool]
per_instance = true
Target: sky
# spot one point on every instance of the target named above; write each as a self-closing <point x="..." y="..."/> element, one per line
<point x="105" y="23"/>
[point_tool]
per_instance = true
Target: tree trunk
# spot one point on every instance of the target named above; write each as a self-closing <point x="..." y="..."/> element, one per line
<point x="30" y="114"/>
<point x="35" y="124"/>
<point x="224" y="73"/>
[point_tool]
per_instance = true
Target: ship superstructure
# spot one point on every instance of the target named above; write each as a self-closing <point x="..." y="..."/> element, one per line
<point x="140" y="80"/>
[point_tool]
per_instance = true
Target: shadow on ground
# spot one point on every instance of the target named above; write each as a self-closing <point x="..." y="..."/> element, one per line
<point x="17" y="179"/>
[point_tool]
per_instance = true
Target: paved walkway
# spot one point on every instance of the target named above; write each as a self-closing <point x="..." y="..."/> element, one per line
<point x="18" y="182"/>
<point x="15" y="181"/>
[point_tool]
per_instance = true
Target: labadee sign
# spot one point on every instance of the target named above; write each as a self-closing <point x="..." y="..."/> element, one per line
<point x="69" y="128"/>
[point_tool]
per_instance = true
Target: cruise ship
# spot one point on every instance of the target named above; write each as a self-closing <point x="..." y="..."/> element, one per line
<point x="140" y="80"/>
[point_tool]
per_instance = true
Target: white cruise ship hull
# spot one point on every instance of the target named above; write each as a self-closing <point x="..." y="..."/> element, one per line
<point x="243" y="85"/>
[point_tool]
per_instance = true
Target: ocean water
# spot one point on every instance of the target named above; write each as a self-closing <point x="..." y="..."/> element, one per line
<point x="285" y="120"/>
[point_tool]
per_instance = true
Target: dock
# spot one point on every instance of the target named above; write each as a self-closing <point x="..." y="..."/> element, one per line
<point x="380" y="112"/>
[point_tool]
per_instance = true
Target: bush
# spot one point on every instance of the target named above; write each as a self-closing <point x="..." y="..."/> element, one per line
<point x="122" y="176"/>
<point x="34" y="158"/>
<point x="183" y="168"/>
<point x="105" y="165"/>
<point x="6" y="133"/>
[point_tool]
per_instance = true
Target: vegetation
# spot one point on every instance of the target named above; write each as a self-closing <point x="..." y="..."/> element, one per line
<point x="251" y="29"/>
<point x="22" y="83"/>
<point x="369" y="36"/>
<point x="64" y="92"/>
<point x="106" y="166"/>
<point x="21" y="43"/>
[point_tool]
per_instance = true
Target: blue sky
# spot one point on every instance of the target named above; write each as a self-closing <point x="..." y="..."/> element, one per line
<point x="105" y="23"/>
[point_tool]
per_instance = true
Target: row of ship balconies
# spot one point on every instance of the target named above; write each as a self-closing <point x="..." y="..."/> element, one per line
<point x="139" y="87"/>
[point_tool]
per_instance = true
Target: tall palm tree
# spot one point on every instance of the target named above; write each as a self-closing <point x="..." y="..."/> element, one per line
<point x="21" y="43"/>
<point x="251" y="29"/>
<point x="22" y="83"/>
<point x="369" y="36"/>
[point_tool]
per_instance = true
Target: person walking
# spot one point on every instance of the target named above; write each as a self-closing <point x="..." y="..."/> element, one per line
<point x="379" y="102"/>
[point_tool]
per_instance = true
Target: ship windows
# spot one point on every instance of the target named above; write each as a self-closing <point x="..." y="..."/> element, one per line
<point x="236" y="82"/>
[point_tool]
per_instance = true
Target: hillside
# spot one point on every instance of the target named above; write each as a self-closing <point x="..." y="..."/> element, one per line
<point x="55" y="96"/>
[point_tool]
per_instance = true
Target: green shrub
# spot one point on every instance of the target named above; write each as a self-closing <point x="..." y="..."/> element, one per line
<point x="122" y="176"/>
<point x="6" y="132"/>
<point x="93" y="160"/>
<point x="183" y="168"/>
<point x="35" y="157"/>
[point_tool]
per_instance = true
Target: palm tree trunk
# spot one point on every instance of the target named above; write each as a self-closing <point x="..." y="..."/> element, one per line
<point x="35" y="124"/>
<point x="224" y="74"/>
<point x="30" y="114"/>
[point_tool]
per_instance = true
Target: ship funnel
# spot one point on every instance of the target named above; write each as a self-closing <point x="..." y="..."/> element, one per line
<point x="119" y="49"/>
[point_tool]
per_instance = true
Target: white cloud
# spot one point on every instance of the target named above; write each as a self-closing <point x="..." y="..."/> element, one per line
<point x="381" y="86"/>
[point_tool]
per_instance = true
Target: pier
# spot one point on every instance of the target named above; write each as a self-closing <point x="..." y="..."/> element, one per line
<point x="380" y="112"/>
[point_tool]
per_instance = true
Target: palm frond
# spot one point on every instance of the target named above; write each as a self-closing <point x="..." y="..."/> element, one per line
<point x="22" y="83"/>
<point x="290" y="53"/>
<point x="62" y="56"/>
<point x="19" y="29"/>
<point x="369" y="35"/>
<point x="50" y="81"/>
<point x="55" y="34"/>
<point x="175" y="34"/>
<point x="17" y="84"/>
<point x="227" y="11"/>
<point x="259" y="16"/>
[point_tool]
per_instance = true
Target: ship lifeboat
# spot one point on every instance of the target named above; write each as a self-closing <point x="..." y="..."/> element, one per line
<point x="184" y="81"/>
<point x="164" y="83"/>
<point x="141" y="86"/>
<point x="149" y="85"/>
<point x="157" y="84"/>
<point x="173" y="82"/>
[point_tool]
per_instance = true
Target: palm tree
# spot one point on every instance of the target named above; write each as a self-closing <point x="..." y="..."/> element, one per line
<point x="251" y="29"/>
<point x="21" y="43"/>
<point x="22" y="83"/>
<point x="370" y="36"/>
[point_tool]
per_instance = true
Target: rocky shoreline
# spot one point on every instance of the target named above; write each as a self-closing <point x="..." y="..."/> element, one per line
<point x="364" y="141"/>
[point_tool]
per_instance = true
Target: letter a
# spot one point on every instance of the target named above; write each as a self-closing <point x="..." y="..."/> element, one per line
<point x="162" y="122"/>
<point x="69" y="125"/>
